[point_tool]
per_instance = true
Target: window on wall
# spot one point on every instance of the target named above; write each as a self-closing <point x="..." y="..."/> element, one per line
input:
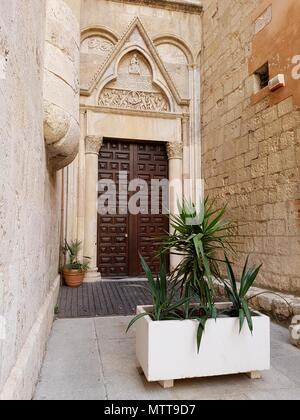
<point x="262" y="77"/>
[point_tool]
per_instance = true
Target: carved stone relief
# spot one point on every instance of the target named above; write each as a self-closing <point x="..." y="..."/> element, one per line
<point x="175" y="150"/>
<point x="134" y="88"/>
<point x="134" y="67"/>
<point x="134" y="73"/>
<point x="142" y="101"/>
<point x="93" y="144"/>
<point x="96" y="45"/>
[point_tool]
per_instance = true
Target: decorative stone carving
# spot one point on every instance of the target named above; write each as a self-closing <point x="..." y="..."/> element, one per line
<point x="175" y="150"/>
<point x="93" y="145"/>
<point x="135" y="100"/>
<point x="96" y="45"/>
<point x="134" y="88"/>
<point x="134" y="67"/>
<point x="133" y="73"/>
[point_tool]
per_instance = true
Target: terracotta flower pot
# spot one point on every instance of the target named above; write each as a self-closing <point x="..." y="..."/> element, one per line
<point x="73" y="278"/>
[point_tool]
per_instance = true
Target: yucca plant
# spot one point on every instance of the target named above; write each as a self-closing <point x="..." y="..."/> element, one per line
<point x="71" y="250"/>
<point x="198" y="235"/>
<point x="238" y="296"/>
<point x="166" y="303"/>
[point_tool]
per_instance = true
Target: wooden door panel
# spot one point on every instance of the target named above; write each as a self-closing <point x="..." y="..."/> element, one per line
<point x="113" y="229"/>
<point x="121" y="237"/>
<point x="152" y="163"/>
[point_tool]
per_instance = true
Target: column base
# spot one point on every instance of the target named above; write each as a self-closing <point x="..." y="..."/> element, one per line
<point x="92" y="276"/>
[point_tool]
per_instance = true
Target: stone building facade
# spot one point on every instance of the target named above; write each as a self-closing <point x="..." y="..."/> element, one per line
<point x="250" y="136"/>
<point x="182" y="74"/>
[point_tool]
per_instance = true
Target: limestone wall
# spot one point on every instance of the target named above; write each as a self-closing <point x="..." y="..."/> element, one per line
<point x="251" y="141"/>
<point x="30" y="196"/>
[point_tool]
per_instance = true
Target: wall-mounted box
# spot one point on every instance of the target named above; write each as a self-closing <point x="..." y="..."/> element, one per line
<point x="277" y="82"/>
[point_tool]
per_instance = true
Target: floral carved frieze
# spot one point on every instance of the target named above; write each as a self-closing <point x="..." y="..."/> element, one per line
<point x="134" y="100"/>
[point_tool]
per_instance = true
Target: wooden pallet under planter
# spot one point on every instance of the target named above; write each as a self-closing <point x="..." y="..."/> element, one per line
<point x="167" y="350"/>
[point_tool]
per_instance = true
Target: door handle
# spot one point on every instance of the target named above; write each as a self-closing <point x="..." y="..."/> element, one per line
<point x="126" y="236"/>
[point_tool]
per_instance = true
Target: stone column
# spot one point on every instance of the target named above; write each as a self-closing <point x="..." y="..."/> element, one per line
<point x="187" y="157"/>
<point x="175" y="155"/>
<point x="81" y="181"/>
<point x="92" y="148"/>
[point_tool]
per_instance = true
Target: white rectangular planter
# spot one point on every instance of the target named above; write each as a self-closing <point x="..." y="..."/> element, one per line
<point x="167" y="350"/>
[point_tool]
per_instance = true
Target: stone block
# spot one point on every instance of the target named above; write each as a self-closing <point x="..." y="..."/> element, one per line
<point x="287" y="139"/>
<point x="272" y="129"/>
<point x="280" y="309"/>
<point x="286" y="106"/>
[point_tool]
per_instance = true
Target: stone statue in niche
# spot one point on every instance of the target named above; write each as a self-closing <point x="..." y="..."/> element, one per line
<point x="134" y="67"/>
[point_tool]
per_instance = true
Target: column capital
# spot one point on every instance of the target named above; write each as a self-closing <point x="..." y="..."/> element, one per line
<point x="185" y="118"/>
<point x="175" y="150"/>
<point x="93" y="145"/>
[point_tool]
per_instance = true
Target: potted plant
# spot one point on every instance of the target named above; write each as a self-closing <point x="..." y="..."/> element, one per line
<point x="186" y="333"/>
<point x="74" y="271"/>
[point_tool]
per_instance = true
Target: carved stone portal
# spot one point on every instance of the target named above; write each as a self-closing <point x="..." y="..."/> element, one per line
<point x="134" y="87"/>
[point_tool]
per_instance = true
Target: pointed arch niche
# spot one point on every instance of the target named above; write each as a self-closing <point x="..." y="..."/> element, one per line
<point x="131" y="93"/>
<point x="133" y="87"/>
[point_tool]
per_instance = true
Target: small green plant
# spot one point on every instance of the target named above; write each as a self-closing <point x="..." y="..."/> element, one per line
<point x="238" y="296"/>
<point x="71" y="251"/>
<point x="165" y="301"/>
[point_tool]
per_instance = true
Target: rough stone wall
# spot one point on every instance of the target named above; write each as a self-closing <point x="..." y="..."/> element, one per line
<point x="29" y="199"/>
<point x="251" y="144"/>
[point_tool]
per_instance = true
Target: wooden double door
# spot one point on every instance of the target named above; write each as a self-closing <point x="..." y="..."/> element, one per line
<point x="122" y="236"/>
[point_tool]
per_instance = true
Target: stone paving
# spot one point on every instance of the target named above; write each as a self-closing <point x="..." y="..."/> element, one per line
<point x="93" y="359"/>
